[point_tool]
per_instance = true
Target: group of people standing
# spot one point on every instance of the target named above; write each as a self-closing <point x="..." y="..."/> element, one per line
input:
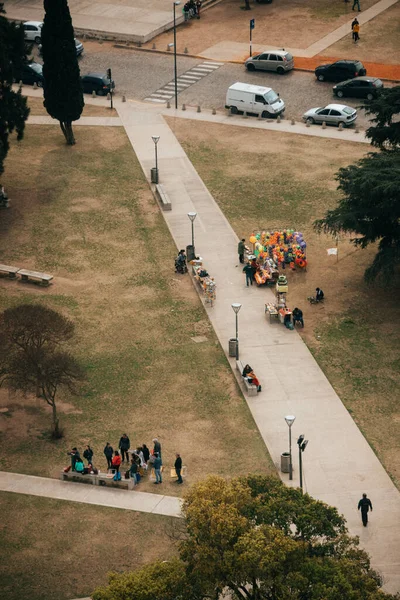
<point x="141" y="459"/>
<point x="192" y="9"/>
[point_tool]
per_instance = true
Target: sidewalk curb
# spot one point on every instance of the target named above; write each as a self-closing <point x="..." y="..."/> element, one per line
<point x="200" y="57"/>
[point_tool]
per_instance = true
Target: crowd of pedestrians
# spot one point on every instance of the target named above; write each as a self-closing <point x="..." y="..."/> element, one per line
<point x="192" y="9"/>
<point x="138" y="460"/>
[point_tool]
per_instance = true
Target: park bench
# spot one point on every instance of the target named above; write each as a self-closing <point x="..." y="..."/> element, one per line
<point x="10" y="271"/>
<point x="26" y="275"/>
<point x="78" y="477"/>
<point x="250" y="387"/>
<point x="162" y="197"/>
<point x="104" y="479"/>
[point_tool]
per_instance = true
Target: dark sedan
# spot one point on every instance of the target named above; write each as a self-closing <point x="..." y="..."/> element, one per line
<point x="98" y="83"/>
<point x="31" y="73"/>
<point x="360" y="87"/>
<point x="340" y="70"/>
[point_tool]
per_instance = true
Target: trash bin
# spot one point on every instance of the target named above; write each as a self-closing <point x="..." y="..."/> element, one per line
<point x="233" y="346"/>
<point x="190" y="253"/>
<point x="285" y="462"/>
<point x="154" y="175"/>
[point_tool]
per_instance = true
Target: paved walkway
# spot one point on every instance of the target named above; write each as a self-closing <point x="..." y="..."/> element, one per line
<point x="90" y="494"/>
<point x="339" y="463"/>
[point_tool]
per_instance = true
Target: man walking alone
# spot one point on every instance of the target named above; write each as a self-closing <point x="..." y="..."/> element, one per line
<point x="241" y="249"/>
<point x="178" y="468"/>
<point x="364" y="504"/>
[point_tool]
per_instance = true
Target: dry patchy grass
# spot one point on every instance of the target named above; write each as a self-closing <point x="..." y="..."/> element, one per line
<point x="90" y="110"/>
<point x="57" y="550"/>
<point x="86" y="214"/>
<point x="266" y="180"/>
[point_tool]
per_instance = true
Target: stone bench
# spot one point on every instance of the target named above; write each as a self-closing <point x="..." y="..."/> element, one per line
<point x="163" y="197"/>
<point x="99" y="479"/>
<point x="10" y="271"/>
<point x="26" y="275"/>
<point x="250" y="387"/>
<point x="78" y="477"/>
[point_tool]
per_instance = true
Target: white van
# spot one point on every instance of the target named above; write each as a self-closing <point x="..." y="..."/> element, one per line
<point x="254" y="99"/>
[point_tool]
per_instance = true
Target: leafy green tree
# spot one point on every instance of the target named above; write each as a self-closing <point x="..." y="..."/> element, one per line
<point x="13" y="107"/>
<point x="30" y="359"/>
<point x="252" y="538"/>
<point x="370" y="208"/>
<point x="63" y="96"/>
<point x="385" y="133"/>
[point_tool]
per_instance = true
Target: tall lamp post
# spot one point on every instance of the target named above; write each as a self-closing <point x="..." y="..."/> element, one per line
<point x="236" y="307"/>
<point x="302" y="444"/>
<point x="290" y="419"/>
<point x="155" y="139"/>
<point x="192" y="216"/>
<point x="175" y="4"/>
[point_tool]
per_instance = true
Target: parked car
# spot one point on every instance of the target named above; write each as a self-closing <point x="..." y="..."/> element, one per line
<point x="333" y="114"/>
<point x="271" y="60"/>
<point x="97" y="82"/>
<point x="254" y="99"/>
<point x="78" y="46"/>
<point x="33" y="31"/>
<point x="340" y="70"/>
<point x="31" y="73"/>
<point x="360" y="87"/>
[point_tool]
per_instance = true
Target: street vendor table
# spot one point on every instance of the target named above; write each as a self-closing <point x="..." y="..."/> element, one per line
<point x="284" y="312"/>
<point x="272" y="310"/>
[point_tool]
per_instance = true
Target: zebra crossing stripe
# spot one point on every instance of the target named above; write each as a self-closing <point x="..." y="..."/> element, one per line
<point x="193" y="77"/>
<point x="155" y="100"/>
<point x="217" y="64"/>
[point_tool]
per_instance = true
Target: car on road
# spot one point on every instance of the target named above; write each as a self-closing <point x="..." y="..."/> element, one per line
<point x="279" y="61"/>
<point x="340" y="70"/>
<point x="33" y="31"/>
<point x="78" y="46"/>
<point x="332" y="114"/>
<point x="360" y="87"/>
<point x="254" y="100"/>
<point x="31" y="73"/>
<point x="97" y="82"/>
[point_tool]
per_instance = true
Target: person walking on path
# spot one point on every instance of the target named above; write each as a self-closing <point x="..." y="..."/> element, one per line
<point x="356" y="3"/>
<point x="356" y="31"/>
<point x="157" y="448"/>
<point x="75" y="457"/>
<point x="241" y="249"/>
<point x="364" y="504"/>
<point x="124" y="445"/>
<point x="157" y="468"/>
<point x="178" y="467"/>
<point x="108" y="453"/>
<point x="248" y="269"/>
<point x="116" y="461"/>
<point x="88" y="454"/>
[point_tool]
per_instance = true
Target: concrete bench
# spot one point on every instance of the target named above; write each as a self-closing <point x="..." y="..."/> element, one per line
<point x="162" y="197"/>
<point x="10" y="271"/>
<point x="104" y="479"/>
<point x="45" y="278"/>
<point x="250" y="387"/>
<point x="78" y="477"/>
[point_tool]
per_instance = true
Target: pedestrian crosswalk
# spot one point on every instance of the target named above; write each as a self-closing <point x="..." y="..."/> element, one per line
<point x="184" y="81"/>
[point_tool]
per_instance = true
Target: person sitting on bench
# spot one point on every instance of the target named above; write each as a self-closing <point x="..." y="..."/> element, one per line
<point x="298" y="316"/>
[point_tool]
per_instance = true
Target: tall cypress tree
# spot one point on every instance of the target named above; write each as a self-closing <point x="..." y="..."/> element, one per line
<point x="63" y="96"/>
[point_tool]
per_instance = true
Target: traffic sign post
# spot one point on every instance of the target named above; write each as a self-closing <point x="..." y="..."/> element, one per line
<point x="111" y="90"/>
<point x="252" y="25"/>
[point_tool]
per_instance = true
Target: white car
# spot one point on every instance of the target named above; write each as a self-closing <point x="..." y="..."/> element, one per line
<point x="33" y="31"/>
<point x="333" y="114"/>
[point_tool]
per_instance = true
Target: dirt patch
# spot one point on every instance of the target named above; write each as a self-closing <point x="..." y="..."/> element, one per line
<point x="37" y="109"/>
<point x="354" y="334"/>
<point x="292" y="23"/>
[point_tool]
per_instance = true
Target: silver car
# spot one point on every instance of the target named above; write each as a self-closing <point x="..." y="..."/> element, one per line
<point x="333" y="114"/>
<point x="279" y="61"/>
<point x="33" y="31"/>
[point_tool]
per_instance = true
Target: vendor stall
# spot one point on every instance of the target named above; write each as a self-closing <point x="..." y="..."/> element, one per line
<point x="206" y="283"/>
<point x="286" y="247"/>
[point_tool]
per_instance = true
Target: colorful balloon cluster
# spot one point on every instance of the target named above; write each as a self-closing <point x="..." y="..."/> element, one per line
<point x="287" y="246"/>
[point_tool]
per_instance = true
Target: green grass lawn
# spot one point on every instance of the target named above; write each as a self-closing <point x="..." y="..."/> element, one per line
<point x="56" y="550"/>
<point x="355" y="336"/>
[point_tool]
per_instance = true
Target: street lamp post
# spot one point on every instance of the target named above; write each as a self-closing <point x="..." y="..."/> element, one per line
<point x="302" y="444"/>
<point x="236" y="307"/>
<point x="290" y="419"/>
<point x="155" y="139"/>
<point x="175" y="4"/>
<point x="192" y="216"/>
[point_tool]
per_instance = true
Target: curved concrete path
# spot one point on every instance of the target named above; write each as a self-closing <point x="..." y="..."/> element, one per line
<point x="339" y="463"/>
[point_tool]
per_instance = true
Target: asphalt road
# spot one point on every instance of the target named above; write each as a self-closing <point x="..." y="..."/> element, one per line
<point x="137" y="74"/>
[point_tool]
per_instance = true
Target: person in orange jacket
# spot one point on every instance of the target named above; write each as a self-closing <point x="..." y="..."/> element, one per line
<point x="116" y="461"/>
